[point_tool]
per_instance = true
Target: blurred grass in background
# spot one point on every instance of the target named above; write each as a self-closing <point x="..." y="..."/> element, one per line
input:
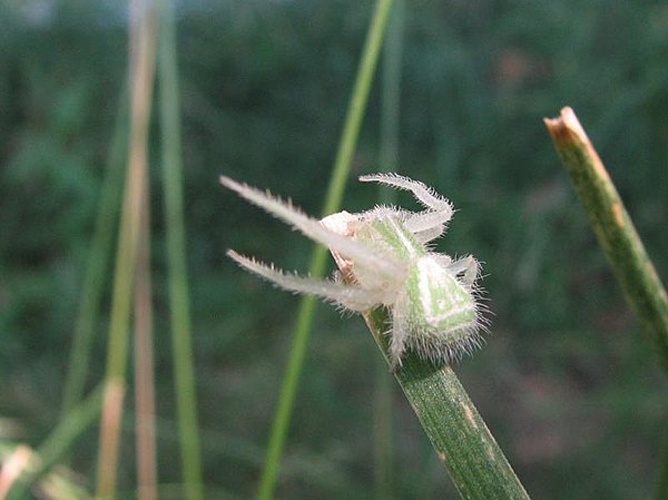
<point x="567" y="386"/>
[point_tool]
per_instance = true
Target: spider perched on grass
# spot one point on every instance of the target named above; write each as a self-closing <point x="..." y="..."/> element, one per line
<point x="384" y="260"/>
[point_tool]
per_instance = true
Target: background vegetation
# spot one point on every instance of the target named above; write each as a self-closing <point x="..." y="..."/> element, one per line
<point x="566" y="384"/>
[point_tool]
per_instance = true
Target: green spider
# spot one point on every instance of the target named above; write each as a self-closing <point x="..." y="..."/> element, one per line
<point x="384" y="260"/>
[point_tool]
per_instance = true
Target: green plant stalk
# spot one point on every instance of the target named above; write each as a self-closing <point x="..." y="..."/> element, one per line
<point x="142" y="64"/>
<point x="59" y="442"/>
<point x="475" y="463"/>
<point x="356" y="108"/>
<point x="144" y="380"/>
<point x="184" y="377"/>
<point x="389" y="159"/>
<point x="614" y="229"/>
<point x="390" y="95"/>
<point x="383" y="423"/>
<point x="98" y="258"/>
<point x="332" y="203"/>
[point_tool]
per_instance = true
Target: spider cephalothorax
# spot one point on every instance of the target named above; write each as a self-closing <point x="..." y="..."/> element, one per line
<point x="384" y="260"/>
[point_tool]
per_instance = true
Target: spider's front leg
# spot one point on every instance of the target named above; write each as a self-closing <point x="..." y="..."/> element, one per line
<point x="428" y="224"/>
<point x="312" y="228"/>
<point x="347" y="296"/>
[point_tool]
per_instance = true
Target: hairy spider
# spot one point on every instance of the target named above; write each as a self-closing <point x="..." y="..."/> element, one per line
<point x="384" y="260"/>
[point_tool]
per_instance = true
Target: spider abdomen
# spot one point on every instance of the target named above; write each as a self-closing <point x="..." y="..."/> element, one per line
<point x="442" y="312"/>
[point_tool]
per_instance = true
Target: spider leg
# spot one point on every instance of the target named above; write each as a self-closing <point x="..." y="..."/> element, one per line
<point x="427" y="235"/>
<point x="350" y="297"/>
<point x="469" y="267"/>
<point x="443" y="259"/>
<point x="430" y="222"/>
<point x="427" y="225"/>
<point x="400" y="331"/>
<point x="424" y="194"/>
<point x="313" y="229"/>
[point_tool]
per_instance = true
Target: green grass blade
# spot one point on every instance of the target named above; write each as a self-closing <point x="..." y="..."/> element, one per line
<point x="388" y="157"/>
<point x="60" y="441"/>
<point x="317" y="269"/>
<point x="279" y="430"/>
<point x="98" y="258"/>
<point x="144" y="379"/>
<point x="462" y="441"/>
<point x="357" y="106"/>
<point x="614" y="229"/>
<point x="179" y="302"/>
<point x="383" y="437"/>
<point x="142" y="64"/>
<point x="390" y="96"/>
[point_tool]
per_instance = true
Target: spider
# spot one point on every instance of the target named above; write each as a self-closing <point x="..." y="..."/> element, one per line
<point x="385" y="260"/>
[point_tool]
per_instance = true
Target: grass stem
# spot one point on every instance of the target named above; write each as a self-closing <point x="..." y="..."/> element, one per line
<point x="142" y="69"/>
<point x="144" y="380"/>
<point x="179" y="296"/>
<point x="59" y="442"/>
<point x="461" y="439"/>
<point x="614" y="229"/>
<point x="98" y="258"/>
<point x="332" y="203"/>
<point x="388" y="157"/>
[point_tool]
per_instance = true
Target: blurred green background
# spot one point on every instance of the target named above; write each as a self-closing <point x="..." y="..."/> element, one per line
<point x="567" y="383"/>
